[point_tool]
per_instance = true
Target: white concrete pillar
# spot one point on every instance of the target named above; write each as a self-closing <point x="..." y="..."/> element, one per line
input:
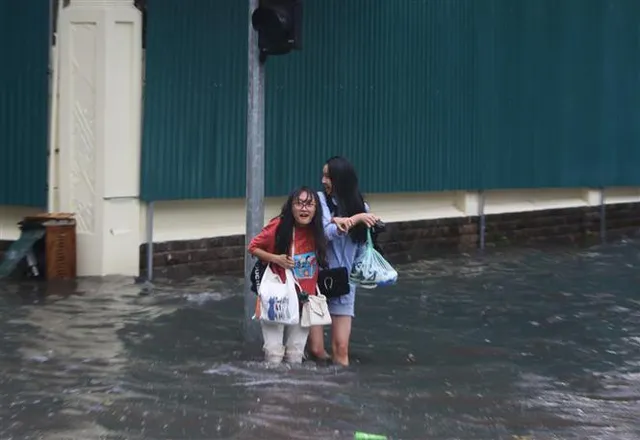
<point x="592" y="196"/>
<point x="100" y="49"/>
<point x="468" y="202"/>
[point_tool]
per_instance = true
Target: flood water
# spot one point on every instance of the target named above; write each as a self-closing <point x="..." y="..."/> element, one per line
<point x="527" y="344"/>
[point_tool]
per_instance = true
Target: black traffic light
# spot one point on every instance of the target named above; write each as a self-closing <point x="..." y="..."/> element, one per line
<point x="279" y="26"/>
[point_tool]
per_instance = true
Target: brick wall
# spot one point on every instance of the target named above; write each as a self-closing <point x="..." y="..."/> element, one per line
<point x="220" y="255"/>
<point x="405" y="241"/>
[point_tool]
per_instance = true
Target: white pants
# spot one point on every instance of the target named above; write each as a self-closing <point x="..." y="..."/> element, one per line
<point x="283" y="341"/>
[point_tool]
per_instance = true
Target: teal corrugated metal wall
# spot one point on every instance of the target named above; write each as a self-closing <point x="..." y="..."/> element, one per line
<point x="389" y="84"/>
<point x="422" y="95"/>
<point x="24" y="97"/>
<point x="560" y="93"/>
<point x="195" y="99"/>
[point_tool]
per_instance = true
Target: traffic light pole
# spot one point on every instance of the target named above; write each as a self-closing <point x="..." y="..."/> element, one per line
<point x="254" y="168"/>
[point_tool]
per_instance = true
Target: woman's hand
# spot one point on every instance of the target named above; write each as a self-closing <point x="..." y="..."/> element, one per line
<point x="284" y="261"/>
<point x="368" y="219"/>
<point x="343" y="223"/>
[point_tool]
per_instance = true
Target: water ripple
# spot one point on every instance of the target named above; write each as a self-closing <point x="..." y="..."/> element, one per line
<point x="535" y="344"/>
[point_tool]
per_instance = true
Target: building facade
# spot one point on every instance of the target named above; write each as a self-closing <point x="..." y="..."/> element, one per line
<point x="449" y="110"/>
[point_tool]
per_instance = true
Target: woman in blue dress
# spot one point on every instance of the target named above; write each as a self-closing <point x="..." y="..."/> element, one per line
<point x="345" y="217"/>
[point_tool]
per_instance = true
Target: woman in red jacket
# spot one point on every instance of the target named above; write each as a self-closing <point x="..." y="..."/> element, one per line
<point x="298" y="227"/>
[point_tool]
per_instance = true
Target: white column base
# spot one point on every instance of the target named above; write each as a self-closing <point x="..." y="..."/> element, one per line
<point x="593" y="197"/>
<point x="99" y="123"/>
<point x="468" y="203"/>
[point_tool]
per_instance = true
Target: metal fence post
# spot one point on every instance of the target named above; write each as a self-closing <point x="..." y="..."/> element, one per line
<point x="149" y="242"/>
<point x="481" y="203"/>
<point x="603" y="216"/>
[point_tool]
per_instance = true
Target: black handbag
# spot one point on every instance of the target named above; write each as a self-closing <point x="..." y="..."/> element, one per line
<point x="334" y="282"/>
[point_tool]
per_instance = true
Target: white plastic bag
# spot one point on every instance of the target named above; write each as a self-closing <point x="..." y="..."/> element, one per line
<point x="277" y="302"/>
<point x="370" y="269"/>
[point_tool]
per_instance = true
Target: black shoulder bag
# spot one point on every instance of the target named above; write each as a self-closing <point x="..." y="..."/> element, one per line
<point x="256" y="275"/>
<point x="334" y="282"/>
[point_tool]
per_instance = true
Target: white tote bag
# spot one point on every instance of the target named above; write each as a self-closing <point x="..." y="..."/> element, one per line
<point x="278" y="301"/>
<point x="315" y="311"/>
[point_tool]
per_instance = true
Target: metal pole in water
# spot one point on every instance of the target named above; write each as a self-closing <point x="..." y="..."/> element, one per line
<point x="149" y="242"/>
<point x="603" y="216"/>
<point x="482" y="219"/>
<point x="254" y="167"/>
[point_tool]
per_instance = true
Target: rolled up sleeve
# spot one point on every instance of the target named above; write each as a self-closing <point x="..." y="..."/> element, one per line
<point x="331" y="231"/>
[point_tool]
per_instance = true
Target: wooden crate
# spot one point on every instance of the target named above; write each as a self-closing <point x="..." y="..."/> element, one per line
<point x="60" y="244"/>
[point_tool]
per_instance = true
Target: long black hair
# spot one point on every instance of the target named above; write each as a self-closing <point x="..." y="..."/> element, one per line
<point x="345" y="189"/>
<point x="284" y="232"/>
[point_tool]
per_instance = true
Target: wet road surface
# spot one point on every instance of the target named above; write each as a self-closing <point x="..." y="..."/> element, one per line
<point x="513" y="344"/>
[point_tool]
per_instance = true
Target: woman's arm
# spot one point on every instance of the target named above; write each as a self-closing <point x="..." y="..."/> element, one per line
<point x="365" y="217"/>
<point x="331" y="229"/>
<point x="263" y="246"/>
<point x="281" y="260"/>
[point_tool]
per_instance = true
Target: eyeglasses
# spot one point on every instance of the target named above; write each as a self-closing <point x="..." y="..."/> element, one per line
<point x="305" y="204"/>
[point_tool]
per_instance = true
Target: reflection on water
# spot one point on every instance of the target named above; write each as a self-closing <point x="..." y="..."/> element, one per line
<point x="540" y="345"/>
